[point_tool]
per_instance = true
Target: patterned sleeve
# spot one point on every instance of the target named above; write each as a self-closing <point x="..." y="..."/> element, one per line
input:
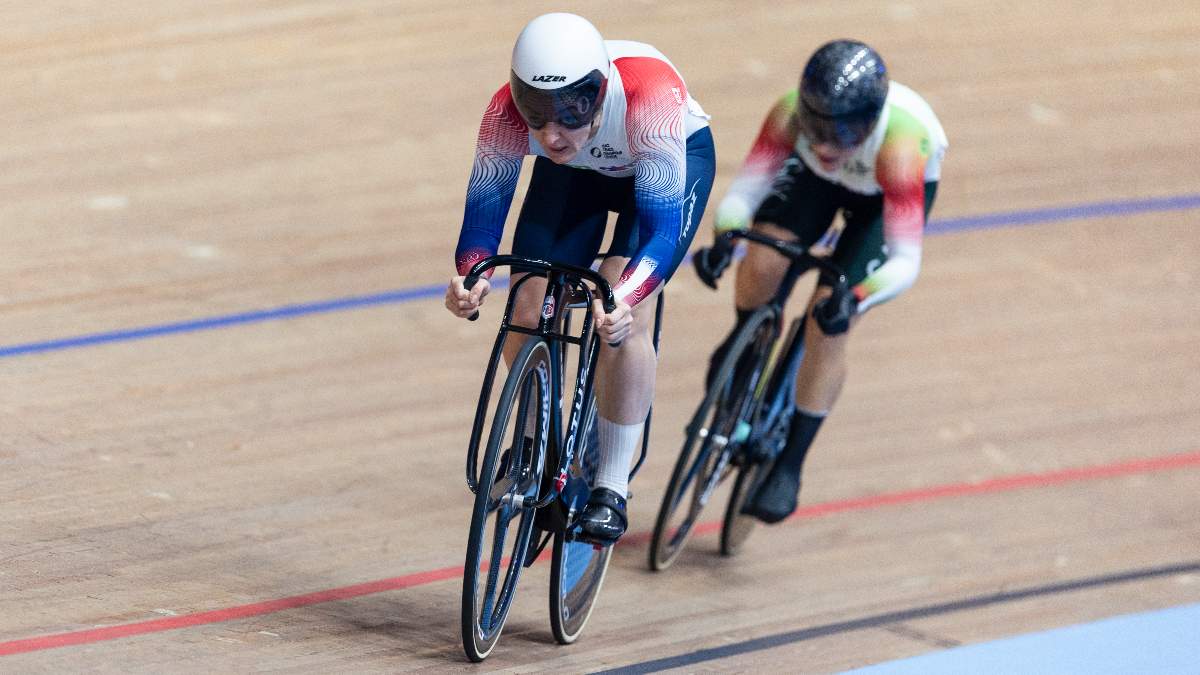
<point x="502" y="145"/>
<point x="772" y="147"/>
<point x="900" y="170"/>
<point x="654" y="118"/>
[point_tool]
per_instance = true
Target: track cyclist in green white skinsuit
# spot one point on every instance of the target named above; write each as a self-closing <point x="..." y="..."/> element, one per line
<point x="850" y="140"/>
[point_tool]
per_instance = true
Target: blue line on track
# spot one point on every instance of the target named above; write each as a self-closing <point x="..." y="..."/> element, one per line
<point x="1032" y="217"/>
<point x="1077" y="212"/>
<point x="285" y="312"/>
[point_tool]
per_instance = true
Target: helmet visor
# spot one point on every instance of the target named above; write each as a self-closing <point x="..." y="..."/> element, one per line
<point x="845" y="131"/>
<point x="572" y="106"/>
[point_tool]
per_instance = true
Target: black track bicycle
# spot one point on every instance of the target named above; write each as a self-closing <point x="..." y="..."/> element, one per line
<point x="742" y="423"/>
<point x="538" y="465"/>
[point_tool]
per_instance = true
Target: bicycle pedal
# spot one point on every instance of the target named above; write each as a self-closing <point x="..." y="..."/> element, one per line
<point x="575" y="536"/>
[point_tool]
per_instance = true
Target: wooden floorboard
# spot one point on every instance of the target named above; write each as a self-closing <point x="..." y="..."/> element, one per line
<point x="169" y="162"/>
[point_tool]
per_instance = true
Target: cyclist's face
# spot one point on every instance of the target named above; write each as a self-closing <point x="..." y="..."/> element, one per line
<point x="562" y="144"/>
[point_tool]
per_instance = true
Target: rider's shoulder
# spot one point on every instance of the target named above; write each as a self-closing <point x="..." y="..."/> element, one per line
<point x="909" y="113"/>
<point x="787" y="102"/>
<point x="783" y="111"/>
<point x="641" y="66"/>
<point x="502" y="101"/>
<point x="910" y="122"/>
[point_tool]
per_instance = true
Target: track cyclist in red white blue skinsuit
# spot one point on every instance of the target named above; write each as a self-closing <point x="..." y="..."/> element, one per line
<point x="850" y="140"/>
<point x="614" y="129"/>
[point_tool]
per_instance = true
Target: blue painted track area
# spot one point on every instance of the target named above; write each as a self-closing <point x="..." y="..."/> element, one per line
<point x="1164" y="642"/>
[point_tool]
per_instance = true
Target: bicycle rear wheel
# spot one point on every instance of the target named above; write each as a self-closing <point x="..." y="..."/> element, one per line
<point x="718" y="428"/>
<point x="737" y="526"/>
<point x="501" y="523"/>
<point x="577" y="568"/>
<point x="575" y="578"/>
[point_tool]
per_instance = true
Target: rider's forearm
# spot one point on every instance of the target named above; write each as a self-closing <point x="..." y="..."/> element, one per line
<point x="892" y="277"/>
<point x="489" y="196"/>
<point x="658" y="191"/>
<point x="645" y="271"/>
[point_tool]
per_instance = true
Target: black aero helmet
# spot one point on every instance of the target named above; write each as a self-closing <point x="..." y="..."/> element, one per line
<point x="842" y="92"/>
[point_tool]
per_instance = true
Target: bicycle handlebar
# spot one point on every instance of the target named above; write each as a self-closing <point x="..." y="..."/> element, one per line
<point x="606" y="292"/>
<point x="791" y="250"/>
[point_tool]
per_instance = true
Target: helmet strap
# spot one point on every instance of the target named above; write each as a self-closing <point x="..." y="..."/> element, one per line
<point x="595" y="128"/>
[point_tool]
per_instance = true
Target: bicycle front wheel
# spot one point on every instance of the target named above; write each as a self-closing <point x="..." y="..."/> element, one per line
<point x="501" y="522"/>
<point x="772" y="421"/>
<point x="719" y="427"/>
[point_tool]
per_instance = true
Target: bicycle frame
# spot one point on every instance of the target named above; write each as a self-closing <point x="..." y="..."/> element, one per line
<point x="565" y="289"/>
<point x="785" y="359"/>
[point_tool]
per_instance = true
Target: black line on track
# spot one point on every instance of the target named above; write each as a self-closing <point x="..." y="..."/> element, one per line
<point x="792" y="637"/>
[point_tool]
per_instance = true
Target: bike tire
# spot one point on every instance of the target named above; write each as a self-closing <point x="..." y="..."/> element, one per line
<point x="768" y="442"/>
<point x="489" y="577"/>
<point x="577" y="568"/>
<point x="576" y="575"/>
<point x="697" y="458"/>
<point x="737" y="526"/>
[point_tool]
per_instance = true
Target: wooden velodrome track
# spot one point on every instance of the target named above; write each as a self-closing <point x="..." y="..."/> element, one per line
<point x="167" y="162"/>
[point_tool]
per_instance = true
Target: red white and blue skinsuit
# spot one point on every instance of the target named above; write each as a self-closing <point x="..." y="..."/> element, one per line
<point x="647" y="117"/>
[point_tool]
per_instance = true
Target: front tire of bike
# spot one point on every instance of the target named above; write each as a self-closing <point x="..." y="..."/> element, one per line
<point x="703" y="452"/>
<point x="501" y="523"/>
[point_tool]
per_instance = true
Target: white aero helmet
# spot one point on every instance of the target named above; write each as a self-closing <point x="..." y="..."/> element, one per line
<point x="559" y="71"/>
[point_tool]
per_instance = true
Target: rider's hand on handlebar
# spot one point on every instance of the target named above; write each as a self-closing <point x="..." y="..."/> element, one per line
<point x="710" y="263"/>
<point x="613" y="328"/>
<point x="463" y="303"/>
<point x="833" y="313"/>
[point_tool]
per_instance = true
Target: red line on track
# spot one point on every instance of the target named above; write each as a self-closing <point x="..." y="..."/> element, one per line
<point x="126" y="630"/>
<point x="422" y="578"/>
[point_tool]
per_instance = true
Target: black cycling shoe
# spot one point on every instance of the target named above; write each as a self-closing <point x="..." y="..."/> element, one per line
<point x="778" y="496"/>
<point x="604" y="519"/>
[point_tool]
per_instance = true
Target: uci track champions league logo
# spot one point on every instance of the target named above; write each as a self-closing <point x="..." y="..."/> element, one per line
<point x="606" y="151"/>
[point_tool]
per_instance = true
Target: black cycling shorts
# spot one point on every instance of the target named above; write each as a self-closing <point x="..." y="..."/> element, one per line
<point x="804" y="203"/>
<point x="565" y="213"/>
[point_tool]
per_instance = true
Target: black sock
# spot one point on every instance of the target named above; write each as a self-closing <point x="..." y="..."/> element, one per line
<point x="780" y="493"/>
<point x="800" y="438"/>
<point x="714" y="361"/>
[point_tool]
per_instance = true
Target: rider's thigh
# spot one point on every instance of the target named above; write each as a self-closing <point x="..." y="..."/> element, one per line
<point x="528" y="307"/>
<point x="759" y="273"/>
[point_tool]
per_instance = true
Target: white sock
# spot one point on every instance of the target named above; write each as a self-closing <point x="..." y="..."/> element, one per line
<point x="618" y="444"/>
